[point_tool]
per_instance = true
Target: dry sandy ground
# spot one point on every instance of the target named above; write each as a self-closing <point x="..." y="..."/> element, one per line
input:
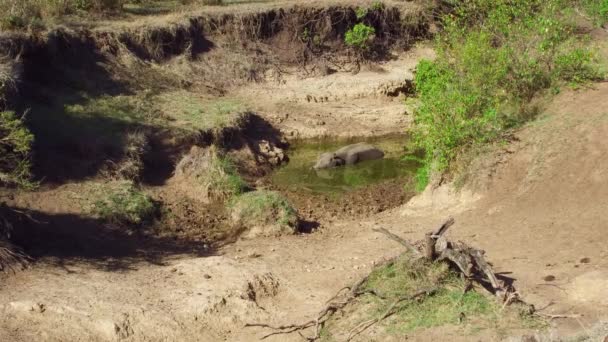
<point x="540" y="208"/>
<point x="342" y="104"/>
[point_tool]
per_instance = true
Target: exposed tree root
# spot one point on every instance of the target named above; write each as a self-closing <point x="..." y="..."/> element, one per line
<point x="470" y="262"/>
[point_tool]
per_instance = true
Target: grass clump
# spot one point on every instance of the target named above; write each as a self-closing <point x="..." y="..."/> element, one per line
<point x="264" y="213"/>
<point x="597" y="9"/>
<point x="209" y="175"/>
<point x="449" y="305"/>
<point x="15" y="151"/>
<point x="193" y="113"/>
<point x="20" y="14"/>
<point x="493" y="58"/>
<point x="123" y="203"/>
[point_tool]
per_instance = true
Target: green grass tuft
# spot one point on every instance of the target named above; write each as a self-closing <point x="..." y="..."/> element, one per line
<point x="597" y="9"/>
<point x="225" y="178"/>
<point x="210" y="175"/>
<point x="449" y="305"/>
<point x="123" y="203"/>
<point x="265" y="209"/>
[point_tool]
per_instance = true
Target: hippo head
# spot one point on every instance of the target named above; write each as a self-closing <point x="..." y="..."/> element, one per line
<point x="328" y="160"/>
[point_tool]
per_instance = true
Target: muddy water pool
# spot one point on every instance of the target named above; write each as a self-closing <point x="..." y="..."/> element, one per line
<point x="298" y="174"/>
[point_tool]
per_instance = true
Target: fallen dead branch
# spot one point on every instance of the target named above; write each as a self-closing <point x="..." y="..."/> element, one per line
<point x="338" y="302"/>
<point x="468" y="261"/>
<point x="556" y="316"/>
<point x="400" y="240"/>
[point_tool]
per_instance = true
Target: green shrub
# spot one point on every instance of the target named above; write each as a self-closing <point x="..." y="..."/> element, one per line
<point x="359" y="36"/>
<point x="493" y="58"/>
<point x="123" y="203"/>
<point x="15" y="151"/>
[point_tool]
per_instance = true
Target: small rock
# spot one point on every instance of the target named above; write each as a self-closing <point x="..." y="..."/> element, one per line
<point x="206" y="276"/>
<point x="549" y="278"/>
<point x="585" y="260"/>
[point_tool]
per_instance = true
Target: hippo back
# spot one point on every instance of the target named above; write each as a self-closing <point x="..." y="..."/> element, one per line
<point x="359" y="152"/>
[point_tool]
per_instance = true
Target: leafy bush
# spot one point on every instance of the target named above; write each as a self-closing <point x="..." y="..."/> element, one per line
<point x="493" y="58"/>
<point x="125" y="204"/>
<point x="359" y="36"/>
<point x="15" y="151"/>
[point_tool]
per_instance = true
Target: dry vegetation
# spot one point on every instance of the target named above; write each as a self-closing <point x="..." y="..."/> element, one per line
<point x="207" y="174"/>
<point x="444" y="283"/>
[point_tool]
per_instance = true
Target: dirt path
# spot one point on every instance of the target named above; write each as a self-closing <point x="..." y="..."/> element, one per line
<point x="541" y="211"/>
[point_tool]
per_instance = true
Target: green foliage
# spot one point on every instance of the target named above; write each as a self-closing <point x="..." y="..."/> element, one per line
<point x="361" y="12"/>
<point x="493" y="58"/>
<point x="359" y="36"/>
<point x="577" y="67"/>
<point x="125" y="204"/>
<point x="210" y="175"/>
<point x="377" y="6"/>
<point x="446" y="306"/>
<point x="265" y="206"/>
<point x="598" y="9"/>
<point x="225" y="177"/>
<point x="15" y="151"/>
<point x="449" y="304"/>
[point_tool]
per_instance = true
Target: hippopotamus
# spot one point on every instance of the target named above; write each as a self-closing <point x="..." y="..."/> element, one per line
<point x="348" y="155"/>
